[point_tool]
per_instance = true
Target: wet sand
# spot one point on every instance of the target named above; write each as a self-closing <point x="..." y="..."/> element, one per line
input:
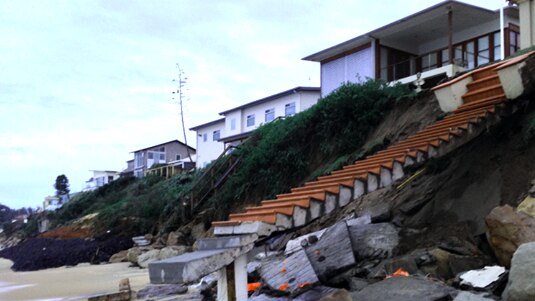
<point x="67" y="283"/>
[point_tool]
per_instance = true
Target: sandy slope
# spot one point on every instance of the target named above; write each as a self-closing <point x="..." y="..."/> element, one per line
<point x="73" y="283"/>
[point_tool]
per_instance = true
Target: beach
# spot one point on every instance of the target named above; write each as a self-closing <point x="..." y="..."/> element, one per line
<point x="68" y="283"/>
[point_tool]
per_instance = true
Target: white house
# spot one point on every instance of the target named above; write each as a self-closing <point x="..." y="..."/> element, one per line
<point x="440" y="40"/>
<point x="100" y="178"/>
<point x="238" y="123"/>
<point x="208" y="145"/>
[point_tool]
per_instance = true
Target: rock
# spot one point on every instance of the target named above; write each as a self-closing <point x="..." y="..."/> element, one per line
<point x="374" y="240"/>
<point x="440" y="268"/>
<point x="520" y="284"/>
<point x="323" y="293"/>
<point x="468" y="296"/>
<point x="161" y="290"/>
<point x="144" y="259"/>
<point x="119" y="257"/>
<point x="507" y="230"/>
<point x="357" y="284"/>
<point x="404" y="289"/>
<point x="338" y="295"/>
<point x="169" y="252"/>
<point x="133" y="253"/>
<point x="172" y="239"/>
<point x="459" y="264"/>
<point x="482" y="278"/>
<point x="528" y="204"/>
<point x="124" y="285"/>
<point x="148" y="237"/>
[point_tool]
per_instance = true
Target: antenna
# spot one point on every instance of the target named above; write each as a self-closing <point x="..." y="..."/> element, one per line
<point x="180" y="91"/>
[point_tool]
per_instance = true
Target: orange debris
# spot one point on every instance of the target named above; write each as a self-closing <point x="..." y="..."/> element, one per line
<point x="283" y="270"/>
<point x="301" y="285"/>
<point x="251" y="287"/>
<point x="283" y="286"/>
<point x="398" y="273"/>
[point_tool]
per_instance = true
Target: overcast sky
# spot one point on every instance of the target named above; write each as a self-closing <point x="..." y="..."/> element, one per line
<point x="84" y="83"/>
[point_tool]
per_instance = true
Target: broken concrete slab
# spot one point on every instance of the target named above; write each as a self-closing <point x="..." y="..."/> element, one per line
<point x="298" y="243"/>
<point x="190" y="267"/>
<point x="226" y="242"/>
<point x="259" y="228"/>
<point x="404" y="289"/>
<point x="332" y="253"/>
<point x="482" y="278"/>
<point x="374" y="240"/>
<point x="468" y="296"/>
<point x="288" y="273"/>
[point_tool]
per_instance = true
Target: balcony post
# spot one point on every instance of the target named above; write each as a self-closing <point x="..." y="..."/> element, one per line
<point x="450" y="34"/>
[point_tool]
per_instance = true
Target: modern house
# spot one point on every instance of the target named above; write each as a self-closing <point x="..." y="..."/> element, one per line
<point x="238" y="123"/>
<point x="171" y="154"/>
<point x="100" y="178"/>
<point x="441" y="40"/>
<point x="208" y="145"/>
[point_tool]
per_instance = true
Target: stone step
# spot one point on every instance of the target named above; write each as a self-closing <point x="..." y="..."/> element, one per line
<point x="311" y="185"/>
<point x="225" y="242"/>
<point x="334" y="189"/>
<point x="490" y="80"/>
<point x="485" y="71"/>
<point x="282" y="220"/>
<point x="482" y="93"/>
<point x="491" y="100"/>
<point x="239" y="227"/>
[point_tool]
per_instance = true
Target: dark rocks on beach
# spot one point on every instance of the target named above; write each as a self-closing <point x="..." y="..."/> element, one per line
<point x="43" y="253"/>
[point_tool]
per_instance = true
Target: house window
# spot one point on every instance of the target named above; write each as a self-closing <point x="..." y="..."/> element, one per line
<point x="204" y="137"/>
<point x="233" y="124"/>
<point x="178" y="157"/>
<point x="497" y="46"/>
<point x="139" y="159"/>
<point x="150" y="155"/>
<point x="429" y="61"/>
<point x="514" y="42"/>
<point x="289" y="109"/>
<point x="110" y="178"/>
<point x="470" y="55"/>
<point x="483" y="50"/>
<point x="216" y="135"/>
<point x="250" y="120"/>
<point x="445" y="57"/>
<point x="162" y="156"/>
<point x="270" y="114"/>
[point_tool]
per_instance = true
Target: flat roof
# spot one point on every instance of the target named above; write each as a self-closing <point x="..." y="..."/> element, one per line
<point x="161" y="144"/>
<point x="236" y="137"/>
<point x="207" y="124"/>
<point x="274" y="96"/>
<point x="421" y="26"/>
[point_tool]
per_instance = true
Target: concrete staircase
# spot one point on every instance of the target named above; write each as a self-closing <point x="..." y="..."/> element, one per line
<point x="482" y="101"/>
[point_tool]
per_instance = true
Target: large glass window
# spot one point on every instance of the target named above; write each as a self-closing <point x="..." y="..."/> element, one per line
<point x="483" y="50"/>
<point x="270" y="114"/>
<point x="470" y="55"/>
<point x="204" y="137"/>
<point x="250" y="120"/>
<point x="233" y="124"/>
<point x="138" y="159"/>
<point x="497" y="46"/>
<point x="429" y="61"/>
<point x="514" y="42"/>
<point x="445" y="57"/>
<point x="289" y="109"/>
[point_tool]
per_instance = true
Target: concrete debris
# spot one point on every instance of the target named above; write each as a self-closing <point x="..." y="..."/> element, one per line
<point x="153" y="291"/>
<point x="303" y="241"/>
<point x="482" y="278"/>
<point x="405" y="289"/>
<point x="374" y="240"/>
<point x="468" y="296"/>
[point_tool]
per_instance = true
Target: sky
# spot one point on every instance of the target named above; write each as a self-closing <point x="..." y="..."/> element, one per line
<point x="84" y="83"/>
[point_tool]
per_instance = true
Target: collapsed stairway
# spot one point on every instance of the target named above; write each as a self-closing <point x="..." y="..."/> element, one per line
<point x="479" y="108"/>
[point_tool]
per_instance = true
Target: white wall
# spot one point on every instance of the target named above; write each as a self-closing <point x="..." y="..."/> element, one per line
<point x="237" y="116"/>
<point x="308" y="99"/>
<point x="209" y="150"/>
<point x="353" y="68"/>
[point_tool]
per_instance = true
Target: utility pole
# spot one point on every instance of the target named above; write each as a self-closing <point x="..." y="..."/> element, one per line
<point x="179" y="91"/>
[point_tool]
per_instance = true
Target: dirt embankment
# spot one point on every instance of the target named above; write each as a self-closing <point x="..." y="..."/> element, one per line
<point x="42" y="253"/>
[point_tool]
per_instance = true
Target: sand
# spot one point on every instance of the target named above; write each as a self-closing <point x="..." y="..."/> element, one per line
<point x="68" y="283"/>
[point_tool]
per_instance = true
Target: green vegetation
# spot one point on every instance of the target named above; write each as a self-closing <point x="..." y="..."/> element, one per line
<point x="285" y="153"/>
<point x="279" y="155"/>
<point x="128" y="205"/>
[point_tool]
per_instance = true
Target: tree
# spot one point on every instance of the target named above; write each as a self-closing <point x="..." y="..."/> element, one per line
<point x="62" y="186"/>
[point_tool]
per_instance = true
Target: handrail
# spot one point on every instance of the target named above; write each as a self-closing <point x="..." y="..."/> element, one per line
<point x="212" y="177"/>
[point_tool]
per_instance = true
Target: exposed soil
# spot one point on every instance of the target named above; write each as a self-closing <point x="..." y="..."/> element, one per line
<point x="67" y="232"/>
<point x="42" y="253"/>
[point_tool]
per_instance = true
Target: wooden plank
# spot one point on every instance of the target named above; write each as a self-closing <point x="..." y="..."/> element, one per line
<point x="291" y="272"/>
<point x="333" y="253"/>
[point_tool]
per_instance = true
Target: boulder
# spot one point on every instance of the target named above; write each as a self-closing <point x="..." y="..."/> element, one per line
<point x="133" y="253"/>
<point x="172" y="238"/>
<point x="374" y="240"/>
<point x="468" y="296"/>
<point x="144" y="259"/>
<point x="528" y="205"/>
<point x="507" y="230"/>
<point x="404" y="289"/>
<point x="522" y="274"/>
<point x="119" y="257"/>
<point x="168" y="252"/>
